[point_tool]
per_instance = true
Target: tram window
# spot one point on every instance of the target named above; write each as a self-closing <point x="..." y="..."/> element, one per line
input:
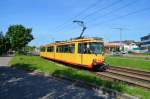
<point x="66" y="48"/>
<point x="43" y="49"/>
<point x="97" y="47"/>
<point x="71" y="48"/>
<point x="50" y="49"/>
<point x="81" y="47"/>
<point x="58" y="49"/>
<point x="90" y="48"/>
<point x="84" y="48"/>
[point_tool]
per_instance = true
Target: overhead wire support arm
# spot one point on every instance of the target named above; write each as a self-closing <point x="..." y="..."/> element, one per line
<point x="81" y="23"/>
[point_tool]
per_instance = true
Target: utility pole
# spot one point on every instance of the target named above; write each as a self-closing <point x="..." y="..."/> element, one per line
<point x="120" y="32"/>
<point x="81" y="23"/>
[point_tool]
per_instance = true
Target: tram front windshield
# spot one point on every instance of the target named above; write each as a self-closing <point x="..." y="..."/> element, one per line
<point x="91" y="48"/>
<point x="96" y="47"/>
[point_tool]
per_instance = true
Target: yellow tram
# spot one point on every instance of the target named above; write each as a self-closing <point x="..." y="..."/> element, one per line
<point x="85" y="52"/>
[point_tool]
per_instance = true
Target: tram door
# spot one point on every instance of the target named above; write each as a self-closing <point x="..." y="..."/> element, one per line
<point x="80" y="53"/>
<point x="86" y="57"/>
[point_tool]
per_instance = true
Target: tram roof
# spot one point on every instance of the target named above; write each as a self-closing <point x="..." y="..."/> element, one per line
<point x="93" y="39"/>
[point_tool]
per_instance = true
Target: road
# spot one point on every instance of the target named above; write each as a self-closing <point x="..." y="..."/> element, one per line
<point x="20" y="84"/>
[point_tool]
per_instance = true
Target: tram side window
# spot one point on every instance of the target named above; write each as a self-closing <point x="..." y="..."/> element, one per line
<point x="50" y="49"/>
<point x="59" y="49"/>
<point x="69" y="48"/>
<point x="66" y="48"/>
<point x="90" y="48"/>
<point x="83" y="48"/>
<point x="43" y="49"/>
<point x="72" y="48"/>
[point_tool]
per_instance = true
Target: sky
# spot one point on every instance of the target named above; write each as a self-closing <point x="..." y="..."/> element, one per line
<point x="51" y="20"/>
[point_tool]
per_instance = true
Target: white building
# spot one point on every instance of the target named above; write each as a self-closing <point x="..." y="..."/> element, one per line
<point x="126" y="46"/>
<point x="145" y="43"/>
<point x="131" y="47"/>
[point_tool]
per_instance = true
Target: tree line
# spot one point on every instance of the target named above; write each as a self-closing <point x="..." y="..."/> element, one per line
<point x="15" y="39"/>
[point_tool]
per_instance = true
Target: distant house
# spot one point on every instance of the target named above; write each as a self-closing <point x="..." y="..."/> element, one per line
<point x="145" y="43"/>
<point x="111" y="47"/>
<point x="132" y="47"/>
<point x="126" y="46"/>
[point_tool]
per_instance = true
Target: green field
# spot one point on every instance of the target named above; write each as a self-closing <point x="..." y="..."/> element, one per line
<point x="146" y="54"/>
<point x="135" y="57"/>
<point x="32" y="63"/>
<point x="136" y="63"/>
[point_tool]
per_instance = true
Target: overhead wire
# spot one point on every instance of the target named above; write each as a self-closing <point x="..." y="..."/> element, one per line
<point x="122" y="16"/>
<point x="104" y="8"/>
<point x="115" y="10"/>
<point x="83" y="11"/>
<point x="61" y="26"/>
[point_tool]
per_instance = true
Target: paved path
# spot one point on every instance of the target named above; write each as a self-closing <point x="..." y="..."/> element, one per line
<point x="4" y="61"/>
<point x="19" y="84"/>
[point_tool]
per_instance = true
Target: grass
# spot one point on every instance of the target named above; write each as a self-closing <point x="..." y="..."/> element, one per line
<point x="135" y="57"/>
<point x="32" y="63"/>
<point x="145" y="54"/>
<point x="128" y="62"/>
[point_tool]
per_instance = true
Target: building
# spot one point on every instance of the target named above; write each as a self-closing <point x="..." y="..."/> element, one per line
<point x="125" y="46"/>
<point x="111" y="47"/>
<point x="131" y="47"/>
<point x="145" y="43"/>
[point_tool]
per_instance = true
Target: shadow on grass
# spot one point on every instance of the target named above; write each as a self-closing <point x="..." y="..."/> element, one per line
<point x="28" y="67"/>
<point x="91" y="79"/>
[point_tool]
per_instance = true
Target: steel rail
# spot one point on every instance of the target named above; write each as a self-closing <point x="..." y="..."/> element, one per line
<point x="129" y="70"/>
<point x="130" y="76"/>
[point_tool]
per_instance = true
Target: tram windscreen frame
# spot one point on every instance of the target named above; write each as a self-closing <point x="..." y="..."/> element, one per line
<point x="96" y="47"/>
<point x="91" y="48"/>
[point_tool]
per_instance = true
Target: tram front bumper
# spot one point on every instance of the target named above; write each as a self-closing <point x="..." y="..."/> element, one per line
<point x="100" y="66"/>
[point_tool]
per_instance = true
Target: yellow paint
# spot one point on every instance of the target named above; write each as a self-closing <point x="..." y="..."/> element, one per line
<point x="75" y="58"/>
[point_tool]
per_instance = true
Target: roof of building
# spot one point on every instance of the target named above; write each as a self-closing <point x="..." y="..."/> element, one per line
<point x="124" y="42"/>
<point x="146" y="37"/>
<point x="111" y="44"/>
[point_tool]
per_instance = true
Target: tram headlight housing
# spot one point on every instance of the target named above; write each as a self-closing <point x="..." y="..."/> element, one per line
<point x="94" y="62"/>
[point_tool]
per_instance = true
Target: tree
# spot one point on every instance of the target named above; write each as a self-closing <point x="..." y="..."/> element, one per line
<point x="30" y="48"/>
<point x="4" y="44"/>
<point x="1" y="43"/>
<point x="19" y="36"/>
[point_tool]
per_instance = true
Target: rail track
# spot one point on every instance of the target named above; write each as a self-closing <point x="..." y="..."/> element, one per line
<point x="130" y="76"/>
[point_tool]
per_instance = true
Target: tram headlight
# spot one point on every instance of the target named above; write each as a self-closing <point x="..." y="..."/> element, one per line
<point x="94" y="61"/>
